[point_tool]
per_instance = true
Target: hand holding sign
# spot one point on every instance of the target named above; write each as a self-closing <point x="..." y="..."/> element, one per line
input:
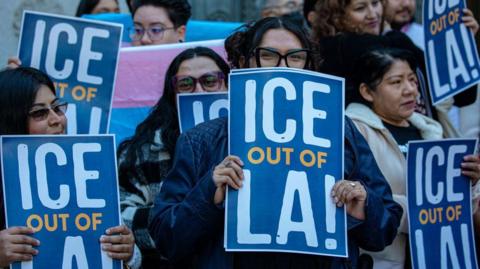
<point x="16" y="245"/>
<point x="118" y="243"/>
<point x="228" y="172"/>
<point x="471" y="167"/>
<point x="469" y="20"/>
<point x="353" y="195"/>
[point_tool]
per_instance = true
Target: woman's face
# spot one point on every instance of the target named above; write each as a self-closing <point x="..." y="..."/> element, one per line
<point x="106" y="6"/>
<point x="45" y="115"/>
<point x="279" y="47"/>
<point x="394" y="99"/>
<point x="364" y="16"/>
<point x="152" y="26"/>
<point x="199" y="74"/>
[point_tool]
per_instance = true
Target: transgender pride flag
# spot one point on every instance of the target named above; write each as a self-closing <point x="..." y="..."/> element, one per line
<point x="140" y="81"/>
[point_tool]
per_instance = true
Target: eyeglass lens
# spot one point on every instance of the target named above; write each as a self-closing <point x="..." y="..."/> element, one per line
<point x="271" y="58"/>
<point x="42" y="113"/>
<point x="209" y="82"/>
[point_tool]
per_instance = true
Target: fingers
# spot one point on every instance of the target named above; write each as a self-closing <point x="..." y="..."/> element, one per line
<point x="26" y="240"/>
<point x="13" y="62"/>
<point x="118" y="243"/>
<point x="345" y="191"/>
<point x="229" y="172"/>
<point x="469" y="20"/>
<point x="20" y="230"/>
<point x="25" y="250"/>
<point x="121" y="229"/>
<point x="471" y="167"/>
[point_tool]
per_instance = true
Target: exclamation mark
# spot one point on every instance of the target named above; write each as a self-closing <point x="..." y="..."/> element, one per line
<point x="330" y="210"/>
<point x="468" y="49"/>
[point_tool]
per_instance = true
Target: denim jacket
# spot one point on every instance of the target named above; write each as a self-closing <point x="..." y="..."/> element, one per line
<point x="186" y="225"/>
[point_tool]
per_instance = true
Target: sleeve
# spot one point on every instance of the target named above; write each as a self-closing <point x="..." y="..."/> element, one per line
<point x="382" y="214"/>
<point x="136" y="261"/>
<point x="135" y="210"/>
<point x="184" y="213"/>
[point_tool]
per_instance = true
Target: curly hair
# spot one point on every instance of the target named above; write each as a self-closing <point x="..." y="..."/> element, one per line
<point x="241" y="44"/>
<point x="330" y="19"/>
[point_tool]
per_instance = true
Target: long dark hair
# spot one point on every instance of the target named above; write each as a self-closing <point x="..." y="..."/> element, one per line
<point x="241" y="44"/>
<point x="86" y="7"/>
<point x="18" y="89"/>
<point x="163" y="116"/>
<point x="371" y="66"/>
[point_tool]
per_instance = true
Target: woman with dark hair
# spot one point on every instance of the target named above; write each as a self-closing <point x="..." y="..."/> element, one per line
<point x="187" y="220"/>
<point x="28" y="105"/>
<point x="97" y="7"/>
<point x="346" y="29"/>
<point x="383" y="111"/>
<point x="145" y="158"/>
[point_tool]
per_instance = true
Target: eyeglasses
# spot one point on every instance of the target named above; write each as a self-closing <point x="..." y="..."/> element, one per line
<point x="42" y="113"/>
<point x="154" y="33"/>
<point x="210" y="82"/>
<point x="267" y="57"/>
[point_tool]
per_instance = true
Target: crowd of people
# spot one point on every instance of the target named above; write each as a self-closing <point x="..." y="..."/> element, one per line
<point x="172" y="186"/>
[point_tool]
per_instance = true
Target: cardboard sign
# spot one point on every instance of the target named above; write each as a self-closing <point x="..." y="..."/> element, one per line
<point x="439" y="205"/>
<point x="81" y="58"/>
<point x="450" y="50"/>
<point x="195" y="108"/>
<point x="66" y="189"/>
<point x="287" y="127"/>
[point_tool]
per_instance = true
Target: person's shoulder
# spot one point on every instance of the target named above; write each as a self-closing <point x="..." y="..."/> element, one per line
<point x="209" y="129"/>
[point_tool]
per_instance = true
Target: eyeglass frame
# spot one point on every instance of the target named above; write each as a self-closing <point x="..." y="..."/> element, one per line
<point x="148" y="32"/>
<point x="219" y="74"/>
<point x="280" y="56"/>
<point x="49" y="108"/>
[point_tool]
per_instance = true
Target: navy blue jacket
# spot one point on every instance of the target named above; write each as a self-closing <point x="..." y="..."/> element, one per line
<point x="187" y="226"/>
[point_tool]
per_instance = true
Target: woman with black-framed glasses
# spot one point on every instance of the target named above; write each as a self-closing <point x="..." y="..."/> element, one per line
<point x="188" y="217"/>
<point x="145" y="158"/>
<point x="29" y="105"/>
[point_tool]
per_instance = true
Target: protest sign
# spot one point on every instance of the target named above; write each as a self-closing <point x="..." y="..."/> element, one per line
<point x="451" y="54"/>
<point x="81" y="58"/>
<point x="287" y="127"/>
<point x="195" y="108"/>
<point x="439" y="204"/>
<point x="141" y="76"/>
<point x="66" y="189"/>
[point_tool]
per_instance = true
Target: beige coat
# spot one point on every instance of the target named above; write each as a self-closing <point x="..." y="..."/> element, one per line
<point x="392" y="163"/>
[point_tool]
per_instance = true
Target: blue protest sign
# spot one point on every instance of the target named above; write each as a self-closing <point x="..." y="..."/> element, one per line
<point x="81" y="58"/>
<point x="65" y="188"/>
<point x="287" y="127"/>
<point x="195" y="108"/>
<point x="451" y="54"/>
<point x="439" y="204"/>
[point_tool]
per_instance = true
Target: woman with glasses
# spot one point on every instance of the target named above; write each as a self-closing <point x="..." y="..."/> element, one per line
<point x="159" y="21"/>
<point x="145" y="158"/>
<point x="28" y="105"/>
<point x="187" y="220"/>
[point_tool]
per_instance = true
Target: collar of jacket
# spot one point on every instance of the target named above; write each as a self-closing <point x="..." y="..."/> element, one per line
<point x="429" y="128"/>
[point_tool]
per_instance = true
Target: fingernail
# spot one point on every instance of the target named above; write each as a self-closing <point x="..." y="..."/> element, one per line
<point x="336" y="199"/>
<point x="107" y="231"/>
<point x="104" y="247"/>
<point x="102" y="238"/>
<point x="38" y="242"/>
